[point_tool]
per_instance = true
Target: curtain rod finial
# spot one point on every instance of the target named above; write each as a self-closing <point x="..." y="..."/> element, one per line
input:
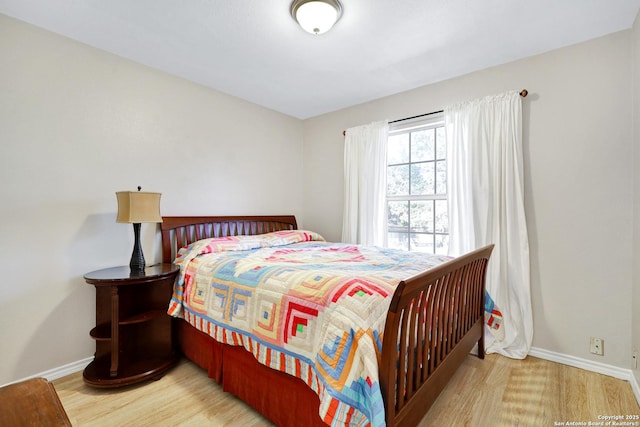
<point x="524" y="93"/>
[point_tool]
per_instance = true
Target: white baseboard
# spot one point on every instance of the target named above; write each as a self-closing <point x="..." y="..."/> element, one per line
<point x="578" y="362"/>
<point x="589" y="365"/>
<point x="59" y="372"/>
<point x="635" y="386"/>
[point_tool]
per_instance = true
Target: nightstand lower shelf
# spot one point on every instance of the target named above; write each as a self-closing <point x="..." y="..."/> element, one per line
<point x="96" y="373"/>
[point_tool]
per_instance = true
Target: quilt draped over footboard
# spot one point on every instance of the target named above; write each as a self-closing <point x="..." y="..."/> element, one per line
<point x="312" y="309"/>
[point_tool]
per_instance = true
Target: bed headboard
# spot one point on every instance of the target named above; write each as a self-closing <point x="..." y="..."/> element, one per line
<point x="179" y="231"/>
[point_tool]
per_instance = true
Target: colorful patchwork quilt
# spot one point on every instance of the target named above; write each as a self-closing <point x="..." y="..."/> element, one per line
<point x="313" y="309"/>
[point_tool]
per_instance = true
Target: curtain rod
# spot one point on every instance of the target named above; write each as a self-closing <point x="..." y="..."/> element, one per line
<point x="523" y="93"/>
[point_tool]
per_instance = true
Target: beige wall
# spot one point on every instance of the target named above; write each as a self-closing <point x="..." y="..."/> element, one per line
<point x="77" y="125"/>
<point x="578" y="190"/>
<point x="635" y="324"/>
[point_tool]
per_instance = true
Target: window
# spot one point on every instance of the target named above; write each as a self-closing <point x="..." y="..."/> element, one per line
<point x="417" y="212"/>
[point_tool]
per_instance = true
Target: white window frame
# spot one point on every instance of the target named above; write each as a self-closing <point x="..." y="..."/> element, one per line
<point x="431" y="121"/>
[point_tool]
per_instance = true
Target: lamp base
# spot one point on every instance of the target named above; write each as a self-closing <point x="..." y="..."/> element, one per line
<point x="137" y="263"/>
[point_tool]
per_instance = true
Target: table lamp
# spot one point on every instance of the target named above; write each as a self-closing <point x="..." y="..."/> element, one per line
<point x="137" y="207"/>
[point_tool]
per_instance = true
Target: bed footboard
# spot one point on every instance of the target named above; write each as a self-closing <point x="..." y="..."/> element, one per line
<point x="434" y="321"/>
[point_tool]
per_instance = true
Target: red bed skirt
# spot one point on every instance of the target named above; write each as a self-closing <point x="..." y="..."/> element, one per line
<point x="280" y="397"/>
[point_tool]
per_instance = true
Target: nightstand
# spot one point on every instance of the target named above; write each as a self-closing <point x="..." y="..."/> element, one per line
<point x="133" y="333"/>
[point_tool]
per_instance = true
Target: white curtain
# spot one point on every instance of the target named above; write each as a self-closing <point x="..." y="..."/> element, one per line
<point x="365" y="163"/>
<point x="486" y="205"/>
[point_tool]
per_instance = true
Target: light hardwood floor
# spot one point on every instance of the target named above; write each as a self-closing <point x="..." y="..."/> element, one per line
<point x="496" y="391"/>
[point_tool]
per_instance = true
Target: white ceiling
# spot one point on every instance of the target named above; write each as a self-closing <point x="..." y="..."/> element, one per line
<point x="254" y="50"/>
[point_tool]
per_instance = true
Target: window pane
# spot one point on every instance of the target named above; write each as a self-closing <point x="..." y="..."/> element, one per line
<point x="441" y="177"/>
<point x="418" y="217"/>
<point x="398" y="241"/>
<point x="422" y="243"/>
<point x="441" y="144"/>
<point x="398" y="149"/>
<point x="398" y="180"/>
<point x="422" y="178"/>
<point x="398" y="215"/>
<point x="422" y="216"/>
<point x="442" y="217"/>
<point x="442" y="244"/>
<point x="423" y="145"/>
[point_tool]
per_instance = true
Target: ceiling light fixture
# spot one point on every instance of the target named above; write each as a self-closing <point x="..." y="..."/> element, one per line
<point x="316" y="16"/>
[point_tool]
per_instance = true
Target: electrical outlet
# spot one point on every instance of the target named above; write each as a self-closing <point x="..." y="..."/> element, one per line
<point x="634" y="360"/>
<point x="597" y="346"/>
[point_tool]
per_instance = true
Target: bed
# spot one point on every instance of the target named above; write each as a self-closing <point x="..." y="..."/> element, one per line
<point x="434" y="319"/>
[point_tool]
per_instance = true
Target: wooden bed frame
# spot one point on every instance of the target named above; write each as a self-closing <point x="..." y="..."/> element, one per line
<point x="434" y="320"/>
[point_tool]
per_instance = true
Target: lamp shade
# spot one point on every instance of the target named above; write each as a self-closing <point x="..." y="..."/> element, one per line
<point x="138" y="206"/>
<point x="316" y="16"/>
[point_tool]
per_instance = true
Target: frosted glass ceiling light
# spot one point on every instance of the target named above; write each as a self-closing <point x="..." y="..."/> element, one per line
<point x="316" y="16"/>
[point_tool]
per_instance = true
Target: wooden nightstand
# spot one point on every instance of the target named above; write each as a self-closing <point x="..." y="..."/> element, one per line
<point x="133" y="333"/>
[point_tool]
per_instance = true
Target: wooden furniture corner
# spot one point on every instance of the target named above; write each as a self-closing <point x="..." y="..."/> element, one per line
<point x="31" y="402"/>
